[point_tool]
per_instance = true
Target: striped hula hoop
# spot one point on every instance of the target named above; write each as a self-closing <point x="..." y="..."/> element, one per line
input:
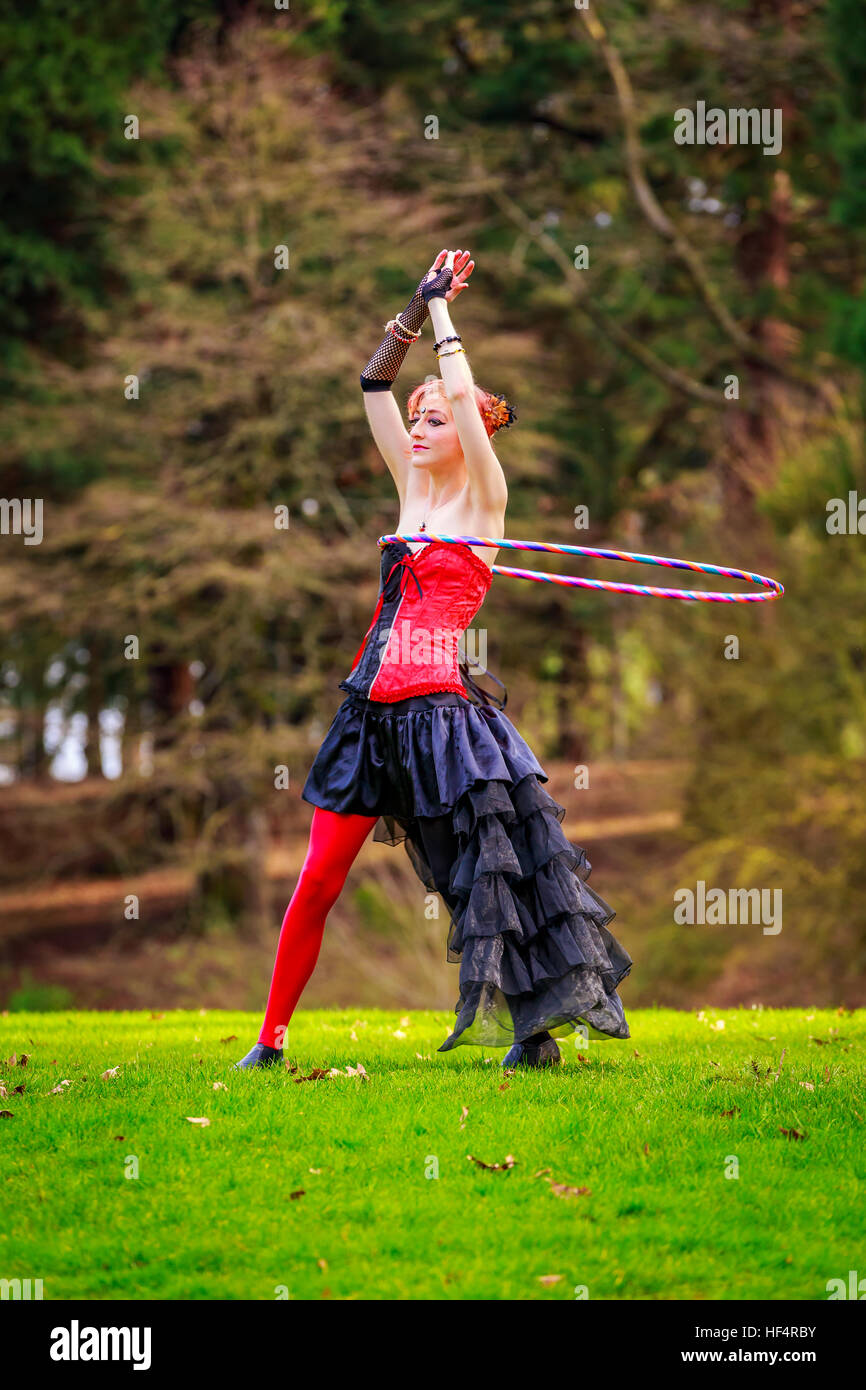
<point x="772" y="587"/>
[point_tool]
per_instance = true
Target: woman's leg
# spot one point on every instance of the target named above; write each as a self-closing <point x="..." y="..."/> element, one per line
<point x="334" y="844"/>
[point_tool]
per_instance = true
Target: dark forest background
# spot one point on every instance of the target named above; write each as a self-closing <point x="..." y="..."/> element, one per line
<point x="154" y="257"/>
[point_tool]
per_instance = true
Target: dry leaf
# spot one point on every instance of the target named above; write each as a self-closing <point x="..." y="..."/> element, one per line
<point x="220" y="1086"/>
<point x="315" y="1170"/>
<point x="636" y="1053"/>
<point x="232" y="1038"/>
<point x="464" y="1111"/>
<point x="317" y="1074"/>
<point x="110" y="1075"/>
<point x="792" y="1134"/>
<point x="405" y="1021"/>
<point x="3" y="1092"/>
<point x="19" y="1090"/>
<point x="541" y="1172"/>
<point x="646" y="1148"/>
<point x="562" y="1190"/>
<point x="293" y="1196"/>
<point x="198" y="1120"/>
<point x="157" y="1016"/>
<point x="323" y="1264"/>
<point x="549" y="1278"/>
<point x="508" y="1162"/>
<point x="505" y="1086"/>
<point x="808" y="1085"/>
<point x="6" y="1115"/>
<point x="23" y="1059"/>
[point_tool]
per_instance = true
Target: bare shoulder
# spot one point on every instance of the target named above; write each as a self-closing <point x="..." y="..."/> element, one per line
<point x="491" y="525"/>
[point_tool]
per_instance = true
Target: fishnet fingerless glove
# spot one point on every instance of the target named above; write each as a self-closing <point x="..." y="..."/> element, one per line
<point x="382" y="368"/>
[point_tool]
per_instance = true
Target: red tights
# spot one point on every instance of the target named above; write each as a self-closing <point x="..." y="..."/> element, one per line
<point x="334" y="844"/>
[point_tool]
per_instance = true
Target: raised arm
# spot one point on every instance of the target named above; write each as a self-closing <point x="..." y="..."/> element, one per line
<point x="383" y="413"/>
<point x="487" y="483"/>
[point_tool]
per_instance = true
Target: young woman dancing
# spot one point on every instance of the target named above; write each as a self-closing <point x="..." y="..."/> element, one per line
<point x="410" y="753"/>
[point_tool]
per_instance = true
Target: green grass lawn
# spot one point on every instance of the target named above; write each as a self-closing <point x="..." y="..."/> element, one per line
<point x="392" y="1208"/>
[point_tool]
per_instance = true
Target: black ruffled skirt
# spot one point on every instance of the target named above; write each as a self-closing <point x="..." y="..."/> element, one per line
<point x="458" y="785"/>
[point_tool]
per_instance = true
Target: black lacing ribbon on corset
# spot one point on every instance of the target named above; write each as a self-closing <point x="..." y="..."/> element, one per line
<point x="406" y="561"/>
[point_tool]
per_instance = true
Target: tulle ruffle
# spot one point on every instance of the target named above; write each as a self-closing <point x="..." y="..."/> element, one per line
<point x="462" y="790"/>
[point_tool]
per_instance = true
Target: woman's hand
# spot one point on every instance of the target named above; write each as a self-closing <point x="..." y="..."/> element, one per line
<point x="459" y="264"/>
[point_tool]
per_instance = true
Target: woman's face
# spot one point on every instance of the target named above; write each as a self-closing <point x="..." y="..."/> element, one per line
<point x="433" y="433"/>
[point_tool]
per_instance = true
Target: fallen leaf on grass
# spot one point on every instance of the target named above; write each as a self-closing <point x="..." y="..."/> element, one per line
<point x="549" y="1278"/>
<point x="157" y="1016"/>
<point x="19" y="1090"/>
<point x="317" y="1074"/>
<point x="3" y="1092"/>
<point x="636" y="1053"/>
<point x="110" y="1075"/>
<point x="463" y="1113"/>
<point x="58" y="1089"/>
<point x="220" y="1086"/>
<point x="541" y="1172"/>
<point x="729" y="1114"/>
<point x="505" y="1086"/>
<point x="232" y="1038"/>
<point x="423" y="1056"/>
<point x="6" y="1115"/>
<point x="293" y="1196"/>
<point x="646" y="1149"/>
<point x="315" y="1170"/>
<point x="808" y="1085"/>
<point x="121" y="1137"/>
<point x="581" y="1058"/>
<point x="323" y="1264"/>
<point x="508" y="1162"/>
<point x="405" y="1021"/>
<point x="792" y="1133"/>
<point x="198" y="1120"/>
<point x="561" y="1189"/>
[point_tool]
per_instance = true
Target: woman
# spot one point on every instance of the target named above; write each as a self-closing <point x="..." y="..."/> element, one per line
<point x="409" y="752"/>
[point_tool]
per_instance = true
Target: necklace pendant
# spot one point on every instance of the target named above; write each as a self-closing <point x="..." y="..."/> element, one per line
<point x="423" y="526"/>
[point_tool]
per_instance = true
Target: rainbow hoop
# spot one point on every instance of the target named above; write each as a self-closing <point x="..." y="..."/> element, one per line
<point x="774" y="588"/>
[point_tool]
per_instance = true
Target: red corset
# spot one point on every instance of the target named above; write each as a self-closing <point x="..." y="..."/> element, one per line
<point x="427" y="601"/>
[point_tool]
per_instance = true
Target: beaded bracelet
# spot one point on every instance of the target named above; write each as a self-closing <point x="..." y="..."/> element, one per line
<point x="455" y="338"/>
<point x="452" y="353"/>
<point x="398" y="323"/>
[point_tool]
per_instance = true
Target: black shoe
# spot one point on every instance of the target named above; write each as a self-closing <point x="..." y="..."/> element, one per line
<point x="543" y="1053"/>
<point x="260" y="1056"/>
